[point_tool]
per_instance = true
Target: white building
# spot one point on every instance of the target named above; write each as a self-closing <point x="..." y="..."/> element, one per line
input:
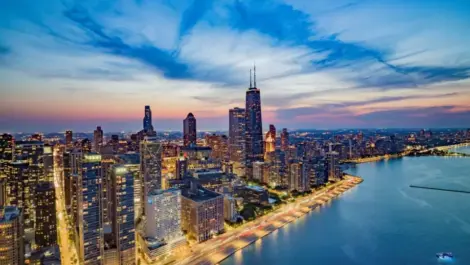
<point x="163" y="214"/>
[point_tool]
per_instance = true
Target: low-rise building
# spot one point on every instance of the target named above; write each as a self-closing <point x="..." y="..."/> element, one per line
<point x="252" y="194"/>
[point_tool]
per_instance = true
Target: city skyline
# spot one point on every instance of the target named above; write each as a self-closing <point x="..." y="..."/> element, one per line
<point x="398" y="64"/>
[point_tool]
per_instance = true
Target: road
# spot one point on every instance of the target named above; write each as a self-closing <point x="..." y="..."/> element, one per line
<point x="68" y="252"/>
<point x="241" y="235"/>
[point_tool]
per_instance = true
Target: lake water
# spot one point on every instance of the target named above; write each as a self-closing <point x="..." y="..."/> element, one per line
<point x="381" y="221"/>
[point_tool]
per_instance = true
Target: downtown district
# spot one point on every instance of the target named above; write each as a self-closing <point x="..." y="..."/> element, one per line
<point x="157" y="197"/>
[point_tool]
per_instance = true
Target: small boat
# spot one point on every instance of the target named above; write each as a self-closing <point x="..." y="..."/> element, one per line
<point x="444" y="255"/>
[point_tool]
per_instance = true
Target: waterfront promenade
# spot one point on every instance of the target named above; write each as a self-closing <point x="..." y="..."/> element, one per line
<point x="218" y="249"/>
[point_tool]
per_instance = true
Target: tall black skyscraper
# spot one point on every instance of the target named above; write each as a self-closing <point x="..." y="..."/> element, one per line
<point x="97" y="139"/>
<point x="254" y="126"/>
<point x="237" y="134"/>
<point x="189" y="130"/>
<point x="148" y="119"/>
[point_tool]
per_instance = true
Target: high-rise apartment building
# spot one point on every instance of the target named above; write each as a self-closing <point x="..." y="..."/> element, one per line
<point x="46" y="230"/>
<point x="90" y="241"/>
<point x="254" y="126"/>
<point x="163" y="212"/>
<point x="7" y="143"/>
<point x="150" y="165"/>
<point x="11" y="236"/>
<point x="122" y="214"/>
<point x="189" y="130"/>
<point x="21" y="189"/>
<point x="132" y="162"/>
<point x="237" y="135"/>
<point x="97" y="139"/>
<point x="202" y="213"/>
<point x="298" y="177"/>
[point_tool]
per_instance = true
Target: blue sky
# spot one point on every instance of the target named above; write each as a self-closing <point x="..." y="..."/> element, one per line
<point x="320" y="64"/>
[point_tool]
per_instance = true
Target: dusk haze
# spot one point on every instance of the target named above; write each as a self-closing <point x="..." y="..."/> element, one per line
<point x="321" y="64"/>
<point x="234" y="132"/>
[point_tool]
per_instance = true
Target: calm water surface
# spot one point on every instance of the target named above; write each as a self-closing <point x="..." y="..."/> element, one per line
<point x="381" y="221"/>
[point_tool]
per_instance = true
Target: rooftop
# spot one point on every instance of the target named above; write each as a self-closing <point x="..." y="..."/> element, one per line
<point x="130" y="158"/>
<point x="159" y="191"/>
<point x="200" y="195"/>
<point x="255" y="188"/>
<point x="8" y="213"/>
<point x="196" y="148"/>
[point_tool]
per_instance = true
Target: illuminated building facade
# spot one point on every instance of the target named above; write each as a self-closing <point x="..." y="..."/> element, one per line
<point x="132" y="162"/>
<point x="237" y="135"/>
<point x="7" y="143"/>
<point x="89" y="221"/>
<point x="219" y="146"/>
<point x="202" y="213"/>
<point x="298" y="177"/>
<point x="46" y="230"/>
<point x="122" y="214"/>
<point x="254" y="127"/>
<point x="11" y="236"/>
<point x="189" y="130"/>
<point x="181" y="167"/>
<point x="270" y="144"/>
<point x="21" y="190"/>
<point x="150" y="165"/>
<point x="163" y="208"/>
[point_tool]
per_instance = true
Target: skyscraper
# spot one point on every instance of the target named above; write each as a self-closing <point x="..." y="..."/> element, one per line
<point x="270" y="145"/>
<point x="89" y="222"/>
<point x="97" y="139"/>
<point x="68" y="138"/>
<point x="148" y="127"/>
<point x="163" y="209"/>
<point x="284" y="140"/>
<point x="11" y="236"/>
<point x="6" y="152"/>
<point x="189" y="130"/>
<point x="26" y="170"/>
<point x="122" y="214"/>
<point x="150" y="165"/>
<point x="237" y="134"/>
<point x="46" y="231"/>
<point x="254" y="126"/>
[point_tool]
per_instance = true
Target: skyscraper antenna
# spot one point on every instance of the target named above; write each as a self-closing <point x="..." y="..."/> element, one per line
<point x="250" y="80"/>
<point x="254" y="76"/>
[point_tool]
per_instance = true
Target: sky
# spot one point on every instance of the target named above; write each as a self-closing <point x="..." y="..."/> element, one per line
<point x="321" y="64"/>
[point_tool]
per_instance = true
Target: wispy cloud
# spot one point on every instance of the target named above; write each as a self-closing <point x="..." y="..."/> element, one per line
<point x="315" y="59"/>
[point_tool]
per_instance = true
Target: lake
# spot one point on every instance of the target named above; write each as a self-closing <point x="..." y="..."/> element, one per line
<point x="381" y="221"/>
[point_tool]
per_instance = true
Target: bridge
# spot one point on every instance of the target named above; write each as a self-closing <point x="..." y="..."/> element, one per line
<point x="441" y="189"/>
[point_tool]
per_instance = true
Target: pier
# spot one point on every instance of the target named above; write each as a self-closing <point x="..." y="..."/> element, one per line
<point x="441" y="189"/>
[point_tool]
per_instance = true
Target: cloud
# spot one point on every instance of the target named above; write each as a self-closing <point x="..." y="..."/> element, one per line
<point x="161" y="60"/>
<point x="318" y="62"/>
<point x="344" y="111"/>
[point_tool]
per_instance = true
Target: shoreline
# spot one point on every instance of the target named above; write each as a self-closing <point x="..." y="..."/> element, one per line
<point x="273" y="222"/>
<point x="404" y="154"/>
